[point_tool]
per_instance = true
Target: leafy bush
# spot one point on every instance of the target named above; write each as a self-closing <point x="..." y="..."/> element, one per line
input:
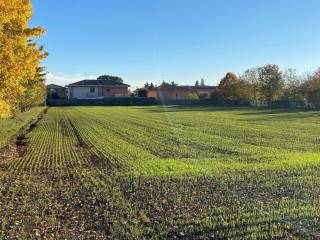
<point x="216" y="97"/>
<point x="203" y="95"/>
<point x="193" y="96"/>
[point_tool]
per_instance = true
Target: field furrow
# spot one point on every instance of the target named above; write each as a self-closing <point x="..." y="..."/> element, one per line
<point x="164" y="173"/>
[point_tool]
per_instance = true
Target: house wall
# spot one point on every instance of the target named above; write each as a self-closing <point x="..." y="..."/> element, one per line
<point x="115" y="91"/>
<point x="177" y="93"/>
<point x="120" y="91"/>
<point x="170" y="94"/>
<point x="181" y="94"/>
<point x="83" y="92"/>
<point x="205" y="91"/>
<point x="153" y="93"/>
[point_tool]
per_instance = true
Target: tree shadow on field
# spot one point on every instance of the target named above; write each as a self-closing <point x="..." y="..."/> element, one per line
<point x="280" y="114"/>
<point x="190" y="108"/>
<point x="252" y="113"/>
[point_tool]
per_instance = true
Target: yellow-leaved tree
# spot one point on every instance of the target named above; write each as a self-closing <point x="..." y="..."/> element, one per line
<point x="20" y="57"/>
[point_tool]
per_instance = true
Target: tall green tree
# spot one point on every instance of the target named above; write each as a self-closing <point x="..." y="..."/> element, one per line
<point x="35" y="93"/>
<point x="293" y="86"/>
<point x="251" y="78"/>
<point x="271" y="81"/>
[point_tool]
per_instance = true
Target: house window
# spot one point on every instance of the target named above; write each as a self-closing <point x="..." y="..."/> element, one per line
<point x="92" y="89"/>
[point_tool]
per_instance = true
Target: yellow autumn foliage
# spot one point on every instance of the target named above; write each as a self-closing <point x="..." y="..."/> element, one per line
<point x="20" y="56"/>
<point x="5" y="110"/>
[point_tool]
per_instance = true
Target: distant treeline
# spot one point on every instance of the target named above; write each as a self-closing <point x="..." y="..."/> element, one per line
<point x="270" y="86"/>
<point x="21" y="77"/>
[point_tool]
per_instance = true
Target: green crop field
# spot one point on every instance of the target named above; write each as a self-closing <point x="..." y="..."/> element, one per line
<point x="164" y="173"/>
<point x="9" y="127"/>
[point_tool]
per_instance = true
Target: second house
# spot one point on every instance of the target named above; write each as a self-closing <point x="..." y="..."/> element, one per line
<point x="97" y="89"/>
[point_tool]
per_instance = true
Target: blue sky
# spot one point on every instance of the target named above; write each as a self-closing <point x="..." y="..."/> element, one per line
<point x="175" y="40"/>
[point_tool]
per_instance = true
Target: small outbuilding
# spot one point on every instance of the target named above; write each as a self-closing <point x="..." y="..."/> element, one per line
<point x="56" y="92"/>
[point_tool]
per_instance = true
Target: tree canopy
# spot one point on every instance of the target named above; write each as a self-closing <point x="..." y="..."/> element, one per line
<point x="311" y="87"/>
<point x="149" y="85"/>
<point x="20" y="56"/>
<point x="167" y="84"/>
<point x="230" y="87"/>
<point x="269" y="84"/>
<point x="202" y="84"/>
<point x="111" y="78"/>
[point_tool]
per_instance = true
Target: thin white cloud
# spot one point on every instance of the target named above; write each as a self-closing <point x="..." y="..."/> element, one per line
<point x="65" y="79"/>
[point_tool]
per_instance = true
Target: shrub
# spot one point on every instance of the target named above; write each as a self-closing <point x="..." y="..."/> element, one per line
<point x="203" y="96"/>
<point x="193" y="96"/>
<point x="216" y="98"/>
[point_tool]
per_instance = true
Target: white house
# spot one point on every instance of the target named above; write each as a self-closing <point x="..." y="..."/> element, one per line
<point x="97" y="89"/>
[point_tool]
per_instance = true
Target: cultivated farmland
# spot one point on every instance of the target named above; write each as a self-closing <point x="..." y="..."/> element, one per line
<point x="164" y="173"/>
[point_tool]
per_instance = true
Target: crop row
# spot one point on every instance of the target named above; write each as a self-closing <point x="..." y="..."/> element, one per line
<point x="156" y="173"/>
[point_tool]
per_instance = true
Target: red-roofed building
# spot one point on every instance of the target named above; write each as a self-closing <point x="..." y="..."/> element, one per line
<point x="86" y="89"/>
<point x="180" y="92"/>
